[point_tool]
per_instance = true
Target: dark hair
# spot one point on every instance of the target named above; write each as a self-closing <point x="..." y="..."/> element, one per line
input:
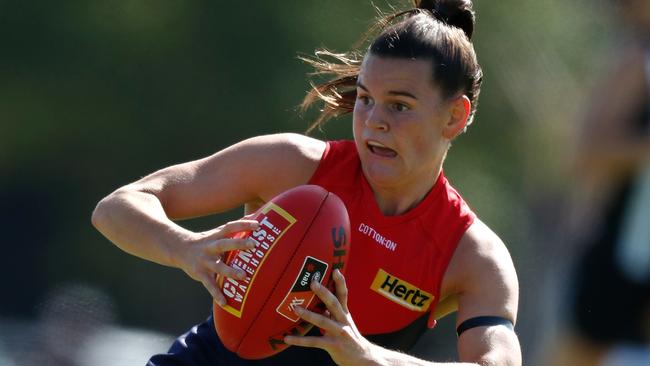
<point x="436" y="30"/>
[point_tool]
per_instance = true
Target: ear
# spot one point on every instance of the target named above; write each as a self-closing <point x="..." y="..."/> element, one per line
<point x="459" y="108"/>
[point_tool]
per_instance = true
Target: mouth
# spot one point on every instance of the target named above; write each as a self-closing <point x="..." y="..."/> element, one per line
<point x="379" y="149"/>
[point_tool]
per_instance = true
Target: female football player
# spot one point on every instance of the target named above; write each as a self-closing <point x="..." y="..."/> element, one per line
<point x="415" y="90"/>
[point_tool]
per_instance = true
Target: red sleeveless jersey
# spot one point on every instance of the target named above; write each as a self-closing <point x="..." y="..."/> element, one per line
<point x="396" y="263"/>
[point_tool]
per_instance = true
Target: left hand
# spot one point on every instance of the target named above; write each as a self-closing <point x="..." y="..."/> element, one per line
<point x="342" y="339"/>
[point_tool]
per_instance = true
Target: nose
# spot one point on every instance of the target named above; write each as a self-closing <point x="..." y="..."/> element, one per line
<point x="376" y="120"/>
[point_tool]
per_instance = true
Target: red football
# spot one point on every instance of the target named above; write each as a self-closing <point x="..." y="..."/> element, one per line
<point x="303" y="236"/>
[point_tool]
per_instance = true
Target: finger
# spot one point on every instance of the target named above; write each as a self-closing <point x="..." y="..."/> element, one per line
<point x="226" y="245"/>
<point x="210" y="284"/>
<point x="330" y="301"/>
<point x="239" y="226"/>
<point x="316" y="342"/>
<point x="318" y="320"/>
<point x="249" y="216"/>
<point x="225" y="270"/>
<point x="341" y="289"/>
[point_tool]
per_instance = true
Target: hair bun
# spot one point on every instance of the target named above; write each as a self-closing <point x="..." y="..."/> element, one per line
<point x="456" y="13"/>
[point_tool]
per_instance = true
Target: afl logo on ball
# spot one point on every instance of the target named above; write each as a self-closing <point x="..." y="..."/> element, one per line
<point x="301" y="294"/>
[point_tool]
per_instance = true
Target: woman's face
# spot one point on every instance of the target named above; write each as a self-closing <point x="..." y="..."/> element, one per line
<point x="398" y="121"/>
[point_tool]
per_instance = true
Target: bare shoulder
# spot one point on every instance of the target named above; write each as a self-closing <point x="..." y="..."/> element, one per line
<point x="280" y="161"/>
<point x="296" y="147"/>
<point x="482" y="275"/>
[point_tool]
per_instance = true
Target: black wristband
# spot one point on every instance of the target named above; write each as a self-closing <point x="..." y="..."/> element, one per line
<point x="483" y="321"/>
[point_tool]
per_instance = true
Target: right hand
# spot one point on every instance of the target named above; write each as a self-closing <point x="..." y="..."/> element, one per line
<point x="204" y="258"/>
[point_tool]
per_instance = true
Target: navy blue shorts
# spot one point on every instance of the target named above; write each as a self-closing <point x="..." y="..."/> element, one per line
<point x="201" y="346"/>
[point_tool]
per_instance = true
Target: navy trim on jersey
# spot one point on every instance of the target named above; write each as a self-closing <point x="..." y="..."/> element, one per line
<point x="201" y="346"/>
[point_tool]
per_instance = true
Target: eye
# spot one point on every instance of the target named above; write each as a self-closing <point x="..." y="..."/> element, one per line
<point x="364" y="99"/>
<point x="400" y="107"/>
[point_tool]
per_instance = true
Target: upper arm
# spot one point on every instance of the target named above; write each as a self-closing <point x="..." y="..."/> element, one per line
<point x="485" y="283"/>
<point x="250" y="171"/>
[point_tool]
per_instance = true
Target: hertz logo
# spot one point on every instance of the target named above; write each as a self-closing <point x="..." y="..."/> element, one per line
<point x="401" y="292"/>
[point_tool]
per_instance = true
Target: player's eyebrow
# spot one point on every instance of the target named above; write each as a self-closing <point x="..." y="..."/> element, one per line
<point x="391" y="92"/>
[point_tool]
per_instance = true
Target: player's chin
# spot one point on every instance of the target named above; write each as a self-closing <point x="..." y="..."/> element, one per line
<point x="379" y="175"/>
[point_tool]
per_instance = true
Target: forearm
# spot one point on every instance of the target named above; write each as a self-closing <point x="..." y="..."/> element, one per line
<point x="385" y="357"/>
<point x="136" y="222"/>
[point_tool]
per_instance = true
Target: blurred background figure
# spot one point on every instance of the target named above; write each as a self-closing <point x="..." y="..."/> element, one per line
<point x="75" y="327"/>
<point x="608" y="312"/>
<point x="68" y="319"/>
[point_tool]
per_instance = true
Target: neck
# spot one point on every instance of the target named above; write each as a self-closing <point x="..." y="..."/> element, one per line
<point x="394" y="201"/>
